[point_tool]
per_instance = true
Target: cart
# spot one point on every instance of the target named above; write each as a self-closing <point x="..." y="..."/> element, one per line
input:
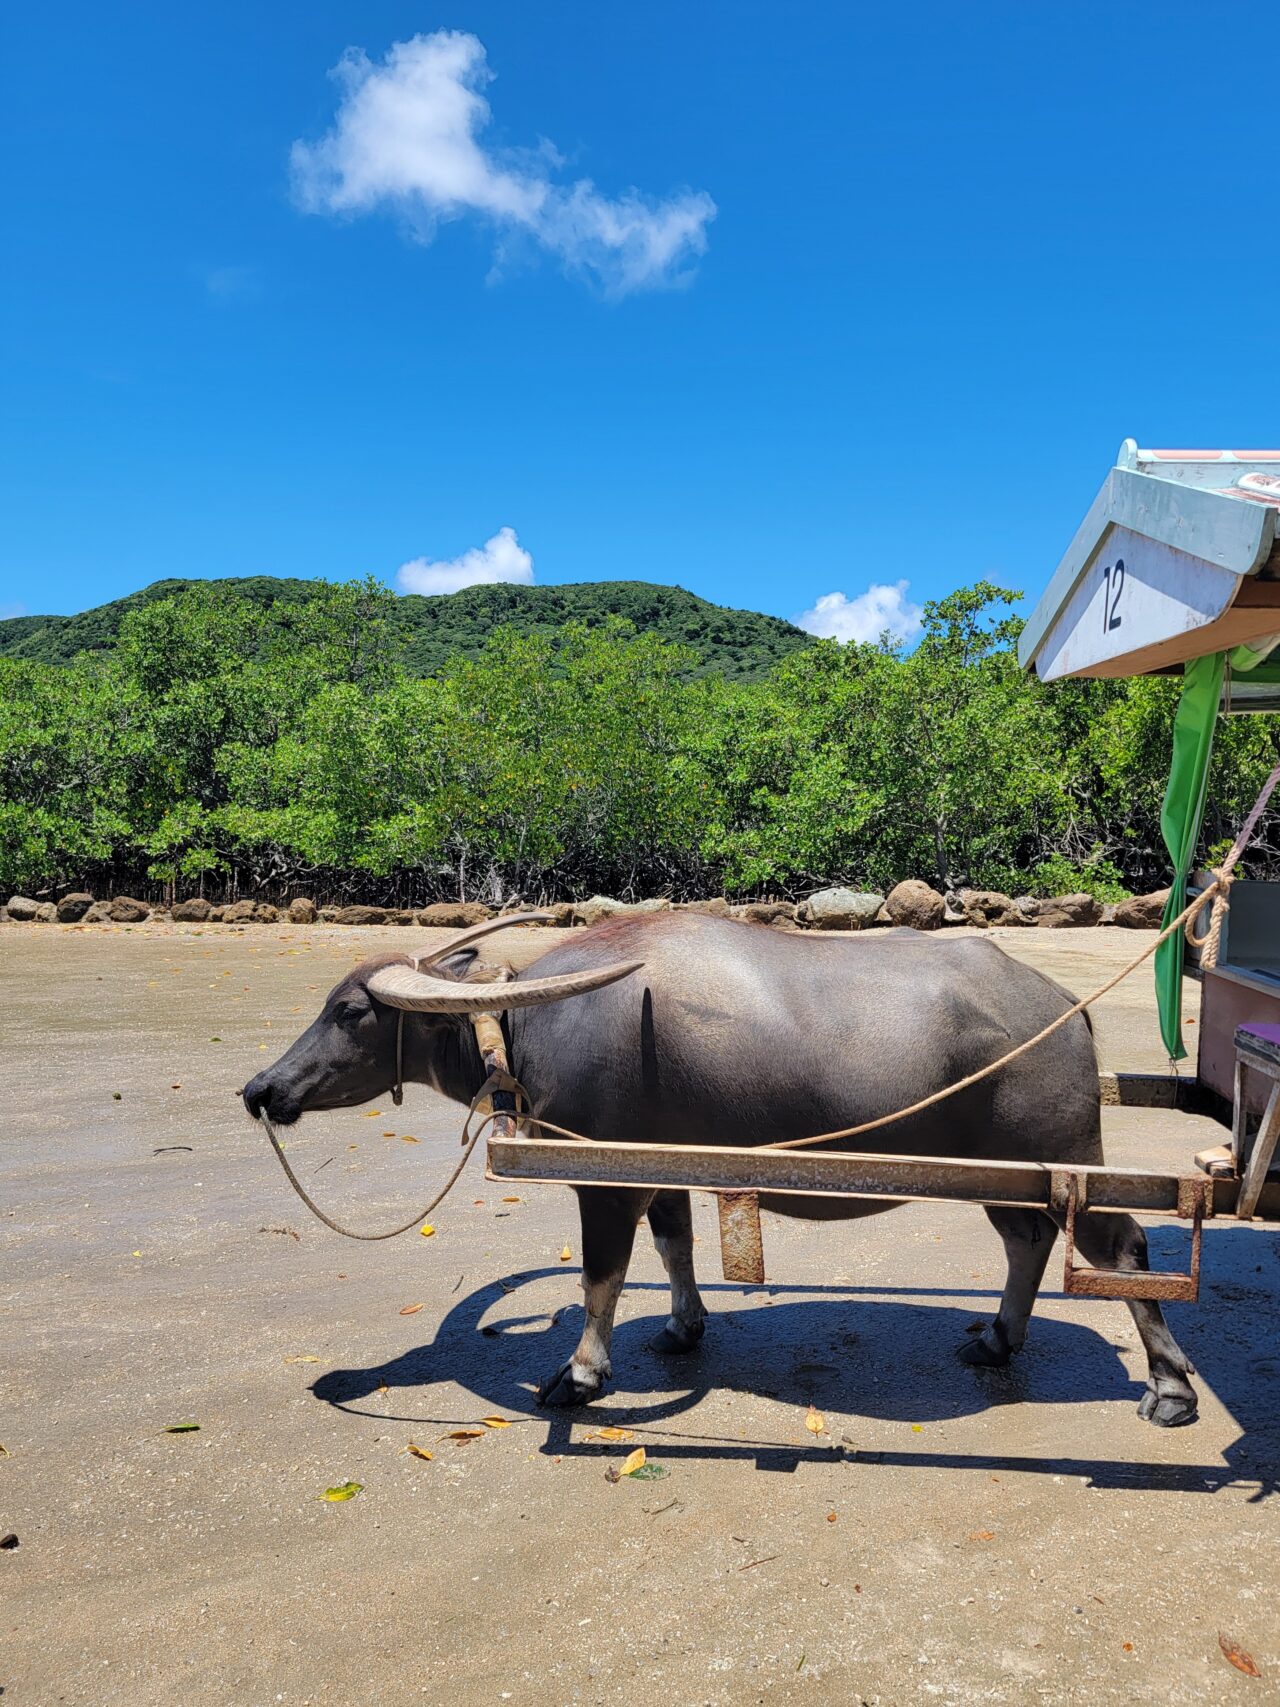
<point x="1175" y="568"/>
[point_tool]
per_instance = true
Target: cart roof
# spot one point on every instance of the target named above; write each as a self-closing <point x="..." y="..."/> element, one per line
<point x="1177" y="557"/>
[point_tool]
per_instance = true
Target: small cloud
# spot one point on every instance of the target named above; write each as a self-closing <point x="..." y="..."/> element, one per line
<point x="407" y="137"/>
<point x="880" y="610"/>
<point x="225" y="283"/>
<point x="501" y="558"/>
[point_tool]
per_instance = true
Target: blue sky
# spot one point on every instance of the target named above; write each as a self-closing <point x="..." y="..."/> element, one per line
<point x="773" y="302"/>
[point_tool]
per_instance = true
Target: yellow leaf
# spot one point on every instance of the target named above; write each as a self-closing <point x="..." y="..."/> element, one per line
<point x="566" y="1255"/>
<point x="302" y="1357"/>
<point x="511" y="1200"/>
<point x="495" y="1422"/>
<point x="344" y="1491"/>
<point x="632" y="1462"/>
<point x="406" y="1139"/>
<point x="426" y="1229"/>
<point x="814" y="1421"/>
<point x="610" y="1434"/>
<point x="420" y="1452"/>
<point x="917" y="1428"/>
<point x="388" y="1134"/>
<point x="463" y="1434"/>
<point x="982" y="1535"/>
<point x="411" y="1309"/>
<point x="372" y="1113"/>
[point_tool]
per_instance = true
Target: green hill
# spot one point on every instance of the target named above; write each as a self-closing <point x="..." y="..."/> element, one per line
<point x="736" y="643"/>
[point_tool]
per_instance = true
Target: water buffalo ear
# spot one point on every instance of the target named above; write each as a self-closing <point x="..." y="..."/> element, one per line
<point x="455" y="965"/>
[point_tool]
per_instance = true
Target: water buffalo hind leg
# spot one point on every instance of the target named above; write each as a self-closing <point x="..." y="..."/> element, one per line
<point x="609" y="1220"/>
<point x="1028" y="1238"/>
<point x="1117" y="1241"/>
<point x="671" y="1222"/>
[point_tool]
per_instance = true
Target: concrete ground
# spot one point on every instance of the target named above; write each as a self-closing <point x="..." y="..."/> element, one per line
<point x="952" y="1536"/>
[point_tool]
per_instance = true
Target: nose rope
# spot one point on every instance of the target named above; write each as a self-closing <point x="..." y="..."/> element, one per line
<point x="493" y="1053"/>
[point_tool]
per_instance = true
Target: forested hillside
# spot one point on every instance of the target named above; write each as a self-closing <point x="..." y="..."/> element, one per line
<point x="423" y="632"/>
<point x="210" y="750"/>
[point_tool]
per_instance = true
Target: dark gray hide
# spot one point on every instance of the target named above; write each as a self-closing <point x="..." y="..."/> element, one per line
<point x="739" y="1034"/>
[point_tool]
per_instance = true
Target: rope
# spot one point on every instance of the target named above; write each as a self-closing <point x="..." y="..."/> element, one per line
<point x="1210" y="943"/>
<point x="495" y="1081"/>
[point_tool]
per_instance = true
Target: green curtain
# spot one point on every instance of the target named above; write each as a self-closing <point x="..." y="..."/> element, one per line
<point x="1180" y="819"/>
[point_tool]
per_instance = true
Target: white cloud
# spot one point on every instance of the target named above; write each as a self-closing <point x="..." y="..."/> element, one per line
<point x="406" y="137"/>
<point x="881" y="609"/>
<point x="501" y="558"/>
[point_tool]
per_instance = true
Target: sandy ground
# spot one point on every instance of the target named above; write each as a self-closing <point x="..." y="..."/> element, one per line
<point x="954" y="1536"/>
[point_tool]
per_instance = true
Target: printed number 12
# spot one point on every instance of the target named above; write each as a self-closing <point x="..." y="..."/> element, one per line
<point x="1113" y="578"/>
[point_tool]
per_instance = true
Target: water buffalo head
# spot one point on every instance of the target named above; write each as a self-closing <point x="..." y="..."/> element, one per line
<point x="359" y="1046"/>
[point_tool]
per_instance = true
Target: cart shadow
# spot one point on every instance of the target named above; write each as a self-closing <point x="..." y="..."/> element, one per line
<point x="871" y="1355"/>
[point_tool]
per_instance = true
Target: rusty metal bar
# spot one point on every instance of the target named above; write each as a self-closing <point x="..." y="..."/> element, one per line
<point x="826" y="1173"/>
<point x="1193" y="1196"/>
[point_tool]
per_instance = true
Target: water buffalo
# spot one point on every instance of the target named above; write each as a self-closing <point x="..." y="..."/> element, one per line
<point x="737" y="1034"/>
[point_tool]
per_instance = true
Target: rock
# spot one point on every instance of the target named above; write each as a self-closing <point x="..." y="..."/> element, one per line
<point x="361" y="915"/>
<point x="655" y="904"/>
<point x="916" y="904"/>
<point x="599" y="907"/>
<point x="23" y="908"/>
<point x="563" y="914"/>
<point x="401" y="916"/>
<point x="98" y="914"/>
<point x="265" y="914"/>
<point x="954" y="914"/>
<point x="1028" y="908"/>
<point x="302" y="911"/>
<point x="46" y="913"/>
<point x="454" y="915"/>
<point x="327" y="915"/>
<point x="1138" y="913"/>
<point x="161" y="913"/>
<point x="717" y="907"/>
<point x="985" y="907"/>
<point x="1108" y="913"/>
<point x="1067" y="912"/>
<point x="72" y="908"/>
<point x="193" y="912"/>
<point x="840" y="909"/>
<point x="217" y="915"/>
<point x="126" y="911"/>
<point x="240" y="913"/>
<point x="768" y="912"/>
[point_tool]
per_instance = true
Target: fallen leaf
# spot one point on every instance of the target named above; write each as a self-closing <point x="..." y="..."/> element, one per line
<point x="633" y="1461"/>
<point x="4" y="1452"/>
<point x="507" y="1200"/>
<point x="420" y="1452"/>
<point x="426" y="1229"/>
<point x="566" y="1255"/>
<point x="496" y="1422"/>
<point x="302" y="1357"/>
<point x="478" y="1202"/>
<point x="831" y="1517"/>
<point x="1235" y="1655"/>
<point x="215" y="1040"/>
<point x="411" y="1309"/>
<point x="176" y="1087"/>
<point x="372" y="1113"/>
<point x="610" y="1434"/>
<point x="8" y="1542"/>
<point x="1127" y="1647"/>
<point x="388" y="1134"/>
<point x="463" y="1434"/>
<point x="116" y="1096"/>
<point x="183" y="1428"/>
<point x="982" y="1535"/>
<point x="649" y="1473"/>
<point x="344" y="1491"/>
<point x="917" y="1428"/>
<point x="814" y="1421"/>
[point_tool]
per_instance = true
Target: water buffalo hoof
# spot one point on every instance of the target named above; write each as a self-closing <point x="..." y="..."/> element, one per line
<point x="1171" y="1409"/>
<point x="987" y="1350"/>
<point x="678" y="1338"/>
<point x="564" y="1389"/>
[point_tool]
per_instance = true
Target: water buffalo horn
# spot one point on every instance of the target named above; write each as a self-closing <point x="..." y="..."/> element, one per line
<point x="474" y="932"/>
<point x="402" y="987"/>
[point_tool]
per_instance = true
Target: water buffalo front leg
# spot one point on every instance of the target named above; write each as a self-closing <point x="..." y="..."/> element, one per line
<point x="671" y="1222"/>
<point x="1117" y="1241"/>
<point x="609" y="1220"/>
<point x="1028" y="1238"/>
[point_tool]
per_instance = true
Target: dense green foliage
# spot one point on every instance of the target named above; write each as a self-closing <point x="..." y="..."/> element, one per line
<point x="231" y="745"/>
<point x="424" y="633"/>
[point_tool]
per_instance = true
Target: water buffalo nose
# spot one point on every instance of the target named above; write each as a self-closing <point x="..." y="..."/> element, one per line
<point x="257" y="1096"/>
